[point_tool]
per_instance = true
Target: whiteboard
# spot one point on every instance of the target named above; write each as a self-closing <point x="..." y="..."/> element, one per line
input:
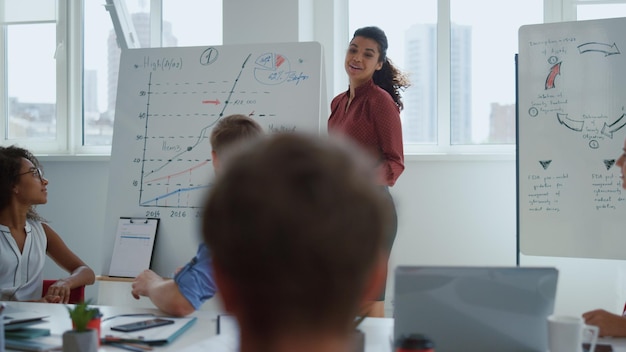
<point x="571" y="118"/>
<point x="168" y="101"/>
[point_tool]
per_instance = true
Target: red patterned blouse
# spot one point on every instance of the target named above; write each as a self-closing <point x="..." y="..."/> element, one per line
<point x="373" y="121"/>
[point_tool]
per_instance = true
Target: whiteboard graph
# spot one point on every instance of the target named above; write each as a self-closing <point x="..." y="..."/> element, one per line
<point x="168" y="102"/>
<point x="179" y="115"/>
<point x="175" y="163"/>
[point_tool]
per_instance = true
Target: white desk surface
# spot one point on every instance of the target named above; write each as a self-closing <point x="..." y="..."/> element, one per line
<point x="619" y="344"/>
<point x="202" y="335"/>
<point x="199" y="336"/>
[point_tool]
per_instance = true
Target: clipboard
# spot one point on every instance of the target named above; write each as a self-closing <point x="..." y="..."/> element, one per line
<point x="133" y="247"/>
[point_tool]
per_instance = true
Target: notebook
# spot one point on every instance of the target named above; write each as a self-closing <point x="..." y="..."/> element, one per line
<point x="15" y="318"/>
<point x="37" y="344"/>
<point x="475" y="308"/>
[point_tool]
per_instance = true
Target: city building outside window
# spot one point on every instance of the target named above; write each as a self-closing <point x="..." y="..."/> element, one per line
<point x="472" y="100"/>
<point x="179" y="27"/>
<point x="28" y="95"/>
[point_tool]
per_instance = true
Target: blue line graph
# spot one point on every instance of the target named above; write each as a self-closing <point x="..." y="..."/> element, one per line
<point x="155" y="201"/>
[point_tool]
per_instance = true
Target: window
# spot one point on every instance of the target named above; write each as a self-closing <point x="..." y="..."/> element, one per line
<point x="59" y="63"/>
<point x="100" y="58"/>
<point x="482" y="65"/>
<point x="593" y="9"/>
<point x="60" y="84"/>
<point x="28" y="97"/>
<point x="32" y="107"/>
<point x="460" y="62"/>
<point x="179" y="27"/>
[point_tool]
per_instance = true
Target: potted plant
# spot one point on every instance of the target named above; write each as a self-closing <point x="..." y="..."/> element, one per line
<point x="82" y="338"/>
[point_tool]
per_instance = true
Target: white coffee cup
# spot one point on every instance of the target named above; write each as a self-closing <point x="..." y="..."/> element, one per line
<point x="565" y="334"/>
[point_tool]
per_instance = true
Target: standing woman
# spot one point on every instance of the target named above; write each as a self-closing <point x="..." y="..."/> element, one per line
<point x="25" y="239"/>
<point x="369" y="113"/>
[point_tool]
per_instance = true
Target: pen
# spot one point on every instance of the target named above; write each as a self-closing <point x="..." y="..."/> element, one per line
<point x="128" y="315"/>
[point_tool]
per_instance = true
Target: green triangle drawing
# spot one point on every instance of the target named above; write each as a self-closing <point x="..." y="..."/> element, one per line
<point x="545" y="163"/>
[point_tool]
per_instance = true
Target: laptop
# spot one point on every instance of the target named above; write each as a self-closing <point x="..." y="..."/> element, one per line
<point x="15" y="318"/>
<point x="475" y="308"/>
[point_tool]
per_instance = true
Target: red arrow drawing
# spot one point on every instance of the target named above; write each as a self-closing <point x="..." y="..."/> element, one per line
<point x="554" y="71"/>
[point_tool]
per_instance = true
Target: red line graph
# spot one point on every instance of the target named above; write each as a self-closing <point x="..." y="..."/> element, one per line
<point x="177" y="173"/>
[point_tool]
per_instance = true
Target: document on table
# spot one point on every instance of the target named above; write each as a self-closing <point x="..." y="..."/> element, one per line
<point x="134" y="243"/>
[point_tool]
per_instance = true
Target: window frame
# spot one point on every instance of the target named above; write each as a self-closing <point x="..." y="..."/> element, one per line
<point x="69" y="65"/>
<point x="443" y="146"/>
<point x="554" y="11"/>
<point x="59" y="143"/>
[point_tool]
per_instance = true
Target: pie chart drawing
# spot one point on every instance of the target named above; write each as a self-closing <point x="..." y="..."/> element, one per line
<point x="271" y="68"/>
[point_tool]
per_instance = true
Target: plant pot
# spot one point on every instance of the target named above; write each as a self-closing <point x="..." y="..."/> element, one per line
<point x="93" y="324"/>
<point x="84" y="341"/>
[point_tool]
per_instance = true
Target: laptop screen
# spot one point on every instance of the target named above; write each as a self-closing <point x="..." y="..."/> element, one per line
<point x="12" y="316"/>
<point x="475" y="308"/>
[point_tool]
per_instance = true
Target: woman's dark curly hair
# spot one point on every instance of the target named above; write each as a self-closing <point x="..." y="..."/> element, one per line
<point x="10" y="167"/>
<point x="389" y="77"/>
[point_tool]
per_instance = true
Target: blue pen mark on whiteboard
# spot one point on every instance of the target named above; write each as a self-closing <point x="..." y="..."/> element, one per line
<point x="272" y="68"/>
<point x="176" y="193"/>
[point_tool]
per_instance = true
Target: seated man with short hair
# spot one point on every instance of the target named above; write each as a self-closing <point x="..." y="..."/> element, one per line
<point x="193" y="284"/>
<point x="296" y="226"/>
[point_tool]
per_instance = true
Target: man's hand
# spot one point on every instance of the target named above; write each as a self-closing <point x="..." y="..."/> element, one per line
<point x="610" y="324"/>
<point x="144" y="282"/>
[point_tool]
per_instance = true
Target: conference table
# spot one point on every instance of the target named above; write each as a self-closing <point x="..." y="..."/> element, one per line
<point x="201" y="336"/>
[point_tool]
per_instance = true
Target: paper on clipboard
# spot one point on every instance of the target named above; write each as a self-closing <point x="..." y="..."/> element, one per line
<point x="134" y="243"/>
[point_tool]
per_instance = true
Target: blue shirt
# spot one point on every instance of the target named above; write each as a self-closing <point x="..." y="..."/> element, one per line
<point x="195" y="280"/>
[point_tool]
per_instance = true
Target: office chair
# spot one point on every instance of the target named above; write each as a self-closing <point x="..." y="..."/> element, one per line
<point x="77" y="294"/>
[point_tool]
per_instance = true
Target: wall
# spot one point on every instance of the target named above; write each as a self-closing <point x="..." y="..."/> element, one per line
<point x="453" y="210"/>
<point x="76" y="207"/>
<point x="252" y="25"/>
<point x="462" y="211"/>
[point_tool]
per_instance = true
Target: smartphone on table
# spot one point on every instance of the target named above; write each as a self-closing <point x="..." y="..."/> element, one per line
<point x="142" y="325"/>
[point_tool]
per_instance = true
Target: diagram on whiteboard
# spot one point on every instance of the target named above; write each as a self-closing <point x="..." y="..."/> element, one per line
<point x="565" y="59"/>
<point x="169" y="100"/>
<point x="175" y="166"/>
<point x="554" y="101"/>
<point x="175" y="113"/>
<point x="571" y="129"/>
